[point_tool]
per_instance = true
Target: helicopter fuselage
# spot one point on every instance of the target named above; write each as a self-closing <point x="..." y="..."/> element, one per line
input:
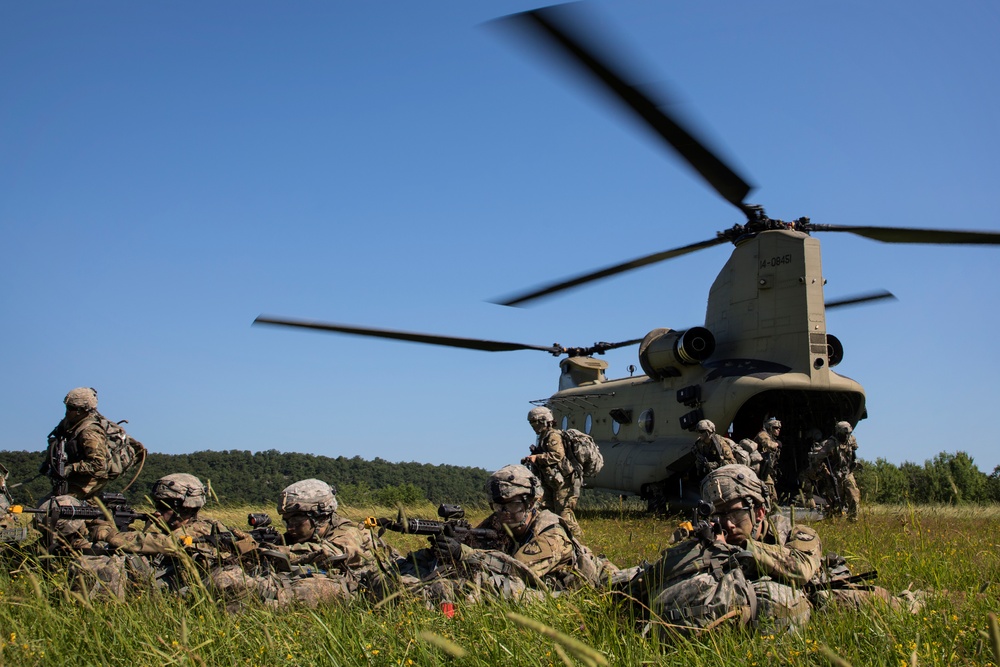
<point x="764" y="352"/>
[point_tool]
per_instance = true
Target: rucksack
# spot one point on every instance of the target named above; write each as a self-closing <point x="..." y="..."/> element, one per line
<point x="583" y="451"/>
<point x="123" y="450"/>
<point x="695" y="586"/>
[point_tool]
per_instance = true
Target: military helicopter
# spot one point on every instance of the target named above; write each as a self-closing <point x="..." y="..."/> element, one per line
<point x="763" y="350"/>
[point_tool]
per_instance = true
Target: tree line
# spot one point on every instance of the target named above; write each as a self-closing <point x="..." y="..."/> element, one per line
<point x="242" y="477"/>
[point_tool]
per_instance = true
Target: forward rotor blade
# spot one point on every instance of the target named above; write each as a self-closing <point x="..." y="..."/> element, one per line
<point x="538" y="293"/>
<point x="860" y="298"/>
<point x="561" y="27"/>
<point x="911" y="235"/>
<point x="430" y="339"/>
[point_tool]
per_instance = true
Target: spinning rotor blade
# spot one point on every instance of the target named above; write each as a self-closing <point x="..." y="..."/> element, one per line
<point x="561" y="27"/>
<point x="608" y="271"/>
<point x="860" y="298"/>
<point x="430" y="339"/>
<point x="911" y="235"/>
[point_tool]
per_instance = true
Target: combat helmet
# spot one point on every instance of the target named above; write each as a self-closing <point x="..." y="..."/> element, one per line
<point x="309" y="496"/>
<point x="82" y="398"/>
<point x="731" y="482"/>
<point x="540" y="414"/>
<point x="180" y="490"/>
<point x="843" y="428"/>
<point x="705" y="425"/>
<point x="512" y="482"/>
<point x="770" y="424"/>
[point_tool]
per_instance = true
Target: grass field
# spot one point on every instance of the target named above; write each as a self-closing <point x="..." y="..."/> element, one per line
<point x="953" y="554"/>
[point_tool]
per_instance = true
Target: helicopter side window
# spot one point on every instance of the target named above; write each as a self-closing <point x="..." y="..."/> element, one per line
<point x="615" y="427"/>
<point x="588" y="424"/>
<point x="646" y="421"/>
<point x="565" y="422"/>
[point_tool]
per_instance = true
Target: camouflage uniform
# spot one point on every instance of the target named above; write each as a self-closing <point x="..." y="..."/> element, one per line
<point x="334" y="561"/>
<point x="792" y="555"/>
<point x="87" y="455"/>
<point x="812" y="478"/>
<point x="561" y="481"/>
<point x="532" y="555"/>
<point x="711" y="449"/>
<point x="770" y="449"/>
<point x="839" y="452"/>
<point x="11" y="529"/>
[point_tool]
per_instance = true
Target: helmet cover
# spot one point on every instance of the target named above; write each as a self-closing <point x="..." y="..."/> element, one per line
<point x="540" y="414"/>
<point x="732" y="482"/>
<point x="311" y="496"/>
<point x="81" y="398"/>
<point x="180" y="489"/>
<point x="512" y="482"/>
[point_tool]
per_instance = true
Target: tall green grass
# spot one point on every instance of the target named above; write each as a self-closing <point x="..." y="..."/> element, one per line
<point x="953" y="554"/>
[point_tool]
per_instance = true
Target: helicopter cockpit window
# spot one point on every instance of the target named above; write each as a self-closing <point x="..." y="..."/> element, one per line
<point x="646" y="421"/>
<point x="565" y="422"/>
<point x="588" y="424"/>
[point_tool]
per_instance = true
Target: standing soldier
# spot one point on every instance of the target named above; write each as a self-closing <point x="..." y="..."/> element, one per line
<point x="78" y="448"/>
<point x="561" y="481"/>
<point x="711" y="449"/>
<point x="85" y="450"/>
<point x="770" y="450"/>
<point x="839" y="455"/>
<point x="811" y="480"/>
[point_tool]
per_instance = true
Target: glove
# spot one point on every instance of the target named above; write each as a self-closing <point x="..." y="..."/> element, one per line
<point x="102" y="532"/>
<point x="446" y="547"/>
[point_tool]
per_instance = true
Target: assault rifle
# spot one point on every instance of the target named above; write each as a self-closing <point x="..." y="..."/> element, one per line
<point x="454" y="520"/>
<point x="262" y="532"/>
<point x="55" y="467"/>
<point x="839" y="582"/>
<point x="117" y="506"/>
<point x="699" y="527"/>
<point x="834" y="483"/>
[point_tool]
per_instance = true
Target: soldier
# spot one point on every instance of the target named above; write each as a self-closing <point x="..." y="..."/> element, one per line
<point x="318" y="537"/>
<point x="561" y="481"/>
<point x="746" y="567"/>
<point x="770" y="450"/>
<point x="79" y="446"/>
<point x="536" y="551"/>
<point x="786" y="557"/>
<point x="178" y="537"/>
<point x="811" y="480"/>
<point x="711" y="449"/>
<point x="85" y="450"/>
<point x="839" y="457"/>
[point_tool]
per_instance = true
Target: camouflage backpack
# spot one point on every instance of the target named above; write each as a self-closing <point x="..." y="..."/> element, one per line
<point x="583" y="451"/>
<point x="124" y="451"/>
<point x="696" y="586"/>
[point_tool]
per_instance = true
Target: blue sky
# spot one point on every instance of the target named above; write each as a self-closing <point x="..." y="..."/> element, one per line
<point x="168" y="171"/>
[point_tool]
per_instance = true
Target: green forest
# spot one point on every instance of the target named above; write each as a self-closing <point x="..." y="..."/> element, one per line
<point x="241" y="477"/>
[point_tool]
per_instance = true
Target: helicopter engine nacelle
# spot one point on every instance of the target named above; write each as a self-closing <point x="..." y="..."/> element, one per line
<point x="663" y="351"/>
<point x="834" y="350"/>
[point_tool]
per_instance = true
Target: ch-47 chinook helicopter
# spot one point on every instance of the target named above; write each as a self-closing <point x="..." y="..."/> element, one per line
<point x="763" y="351"/>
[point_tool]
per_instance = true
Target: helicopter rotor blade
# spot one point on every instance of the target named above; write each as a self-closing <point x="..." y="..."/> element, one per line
<point x="582" y="279"/>
<point x="860" y="298"/>
<point x="913" y="235"/>
<point x="561" y="28"/>
<point x="429" y="339"/>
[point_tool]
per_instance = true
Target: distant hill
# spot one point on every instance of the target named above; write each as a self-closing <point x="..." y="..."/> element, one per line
<point x="241" y="477"/>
